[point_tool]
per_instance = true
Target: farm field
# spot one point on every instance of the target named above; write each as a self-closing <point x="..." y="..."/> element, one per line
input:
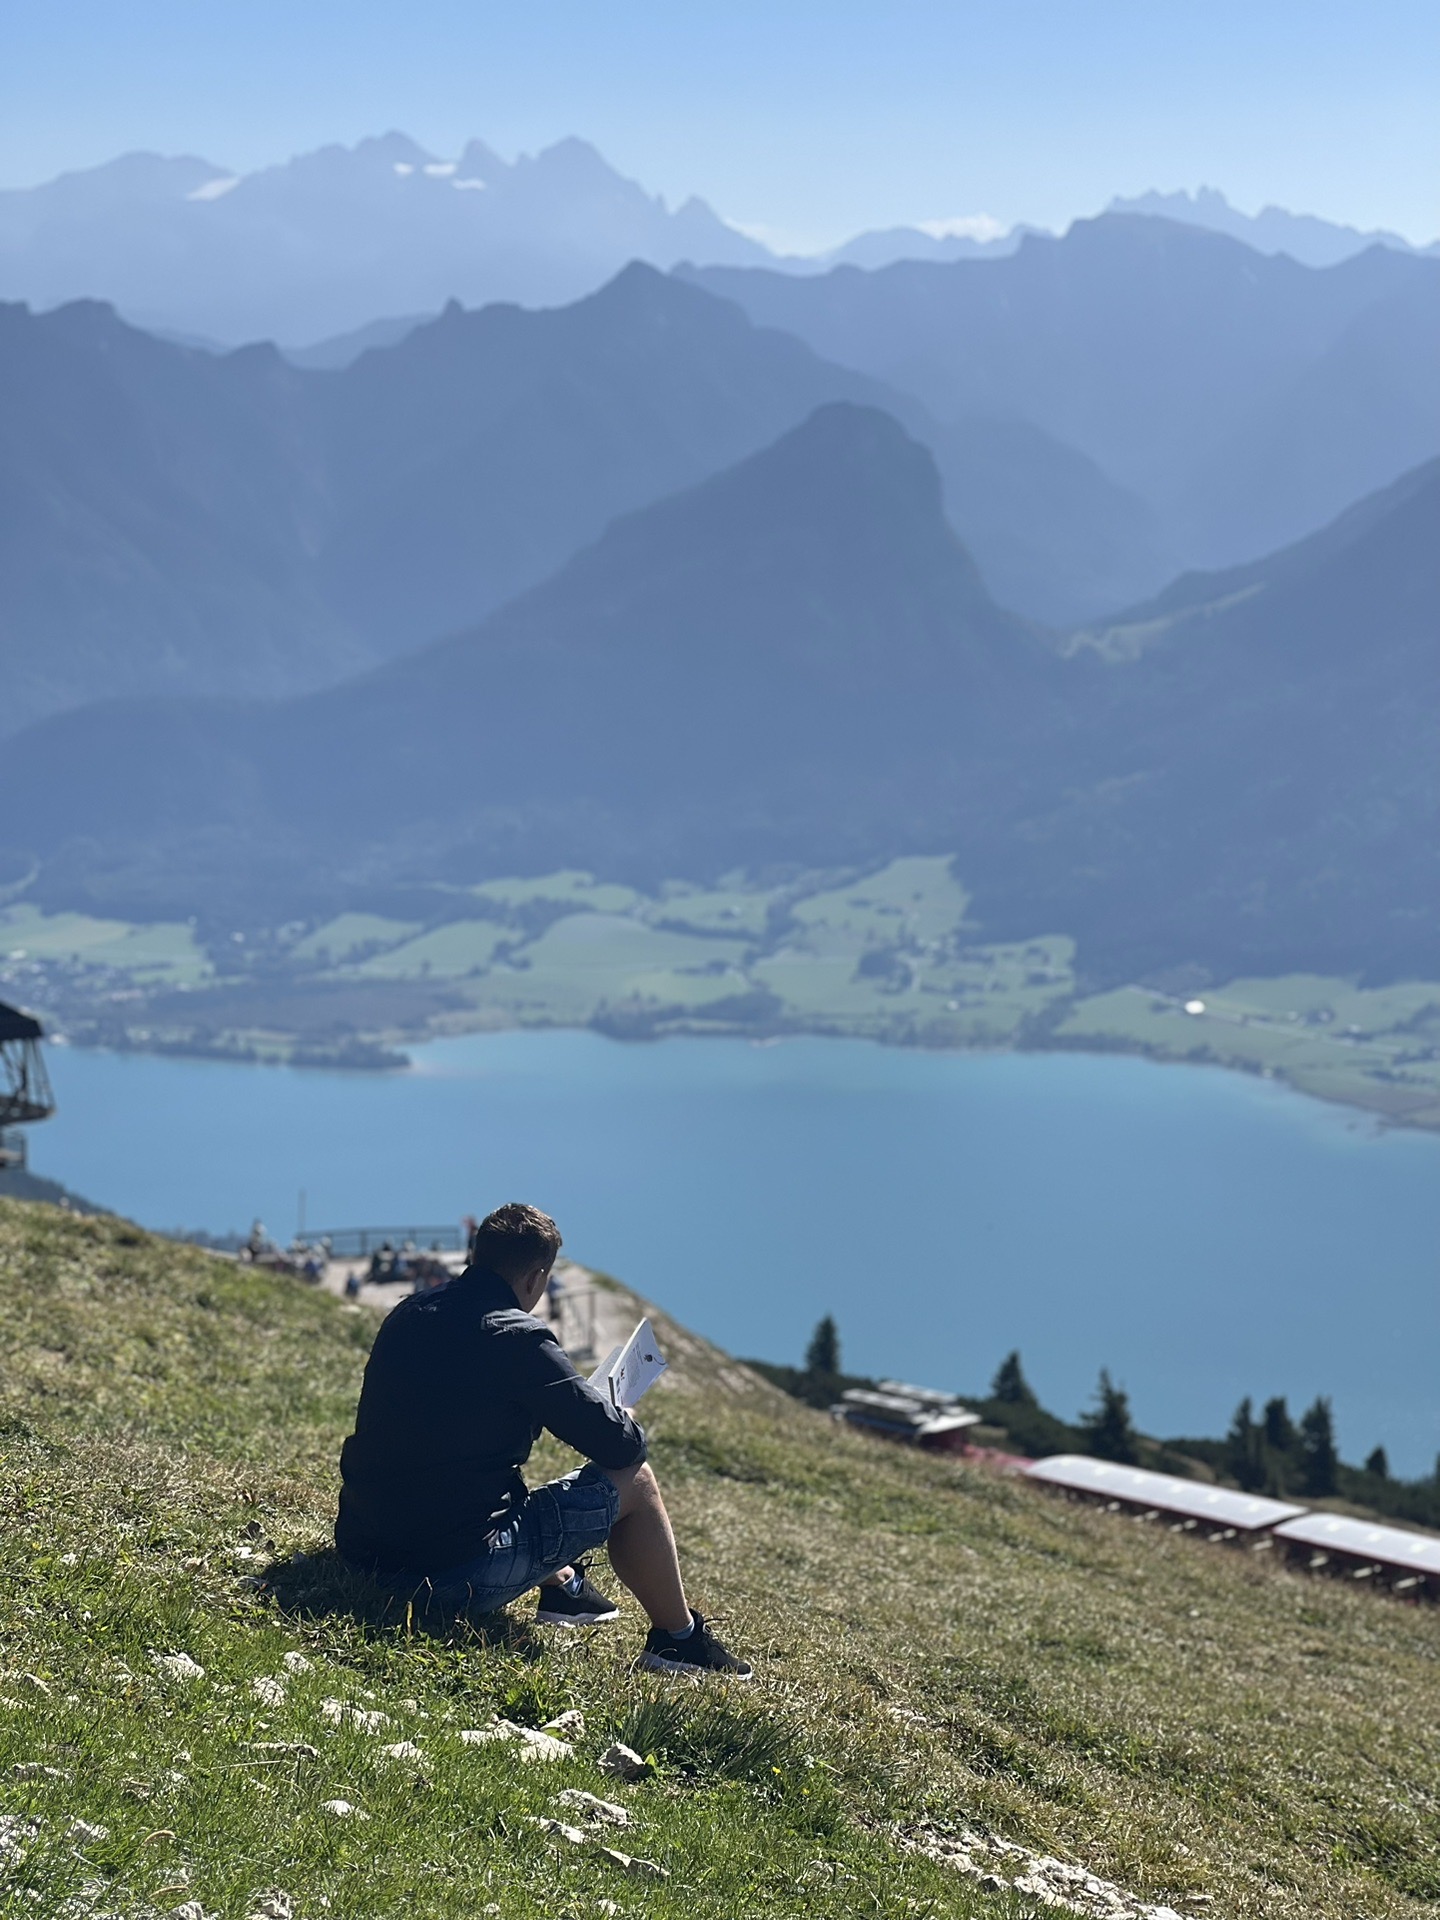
<point x="891" y="956"/>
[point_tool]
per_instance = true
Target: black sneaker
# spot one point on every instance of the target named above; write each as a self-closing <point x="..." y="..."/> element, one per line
<point x="586" y="1607"/>
<point x="698" y="1652"/>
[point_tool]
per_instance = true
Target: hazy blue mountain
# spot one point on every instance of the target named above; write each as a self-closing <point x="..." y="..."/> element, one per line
<point x="481" y="451"/>
<point x="1151" y="347"/>
<point x="796" y="661"/>
<point x="793" y="657"/>
<point x="340" y="350"/>
<point x="181" y="521"/>
<point x="1270" y="800"/>
<point x="1305" y="237"/>
<point x="330" y="240"/>
<point x="882" y="246"/>
<point x="1365" y="408"/>
<point x="154" y="521"/>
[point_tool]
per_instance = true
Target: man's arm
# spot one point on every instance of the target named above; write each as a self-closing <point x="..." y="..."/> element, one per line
<point x="570" y="1408"/>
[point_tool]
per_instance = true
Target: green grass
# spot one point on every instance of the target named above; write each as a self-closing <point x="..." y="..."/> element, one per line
<point x="459" y="947"/>
<point x="939" y="1650"/>
<point x="351" y="936"/>
<point x="162" y="954"/>
<point x="1377" y="1048"/>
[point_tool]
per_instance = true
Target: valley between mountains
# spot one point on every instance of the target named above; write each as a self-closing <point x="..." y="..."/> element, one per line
<point x="805" y="664"/>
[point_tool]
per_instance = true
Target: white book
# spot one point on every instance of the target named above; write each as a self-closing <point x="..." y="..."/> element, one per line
<point x="628" y="1372"/>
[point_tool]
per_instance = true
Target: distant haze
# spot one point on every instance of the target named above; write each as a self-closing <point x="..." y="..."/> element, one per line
<point x="817" y="120"/>
<point x="342" y="247"/>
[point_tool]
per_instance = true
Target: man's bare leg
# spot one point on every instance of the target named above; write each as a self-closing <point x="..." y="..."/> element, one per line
<point x="642" y="1549"/>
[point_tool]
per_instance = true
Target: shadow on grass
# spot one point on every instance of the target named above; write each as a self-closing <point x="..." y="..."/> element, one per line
<point x="317" y="1586"/>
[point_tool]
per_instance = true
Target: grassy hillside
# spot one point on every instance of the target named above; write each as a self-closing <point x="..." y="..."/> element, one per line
<point x="940" y="1653"/>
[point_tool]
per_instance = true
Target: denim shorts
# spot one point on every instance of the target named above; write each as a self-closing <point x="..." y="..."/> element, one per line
<point x="551" y="1526"/>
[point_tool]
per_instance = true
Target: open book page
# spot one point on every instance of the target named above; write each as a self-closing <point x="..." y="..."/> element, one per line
<point x="628" y="1372"/>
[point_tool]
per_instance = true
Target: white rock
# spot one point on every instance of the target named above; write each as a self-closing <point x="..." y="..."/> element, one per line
<point x="340" y="1714"/>
<point x="588" y="1807"/>
<point x="575" y="1835"/>
<point x="624" y="1763"/>
<point x="15" y="1830"/>
<point x="650" y="1868"/>
<point x="270" y="1693"/>
<point x="178" y="1666"/>
<point x="566" y="1726"/>
<point x="84" y="1832"/>
<point x="192" y="1910"/>
<point x="37" y="1770"/>
<point x="274" y="1906"/>
<point x="401" y="1750"/>
<point x="296" y="1663"/>
<point x="533" y="1744"/>
<point x="342" y="1810"/>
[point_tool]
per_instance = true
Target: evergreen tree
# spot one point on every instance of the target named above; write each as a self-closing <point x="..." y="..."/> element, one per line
<point x="1108" y="1428"/>
<point x="1010" y="1384"/>
<point x="1318" y="1459"/>
<point x="1378" y="1463"/>
<point x="1244" y="1455"/>
<point x="1279" y="1428"/>
<point x="822" y="1356"/>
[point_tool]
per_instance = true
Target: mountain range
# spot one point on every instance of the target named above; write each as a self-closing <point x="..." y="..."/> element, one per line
<point x="726" y="568"/>
<point x="1306" y="238"/>
<point x="1103" y="409"/>
<point x="334" y="239"/>
<point x="184" y="522"/>
<point x="330" y="243"/>
<point x="1244" y="398"/>
<point x="795" y="662"/>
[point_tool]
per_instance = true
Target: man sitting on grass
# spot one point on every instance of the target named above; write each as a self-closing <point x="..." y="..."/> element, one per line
<point x="459" y="1384"/>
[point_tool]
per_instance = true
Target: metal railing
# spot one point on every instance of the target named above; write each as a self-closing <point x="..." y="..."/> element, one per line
<point x="356" y="1243"/>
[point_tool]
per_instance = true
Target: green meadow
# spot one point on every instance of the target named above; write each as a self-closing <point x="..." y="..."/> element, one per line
<point x="892" y="955"/>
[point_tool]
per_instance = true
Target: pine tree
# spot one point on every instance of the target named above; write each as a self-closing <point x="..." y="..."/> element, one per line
<point x="822" y="1356"/>
<point x="1108" y="1427"/>
<point x="1244" y="1460"/>
<point x="1318" y="1459"/>
<point x="1010" y="1384"/>
<point x="1279" y="1428"/>
<point x="1378" y="1463"/>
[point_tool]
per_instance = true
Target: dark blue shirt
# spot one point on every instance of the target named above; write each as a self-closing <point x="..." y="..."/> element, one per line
<point x="457" y="1389"/>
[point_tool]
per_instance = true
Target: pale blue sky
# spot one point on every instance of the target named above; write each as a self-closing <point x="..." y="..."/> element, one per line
<point x="814" y="118"/>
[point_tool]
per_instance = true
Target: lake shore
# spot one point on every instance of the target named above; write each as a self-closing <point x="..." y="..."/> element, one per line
<point x="891" y="956"/>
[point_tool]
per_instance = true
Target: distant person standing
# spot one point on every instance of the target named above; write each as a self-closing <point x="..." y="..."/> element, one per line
<point x="555" y="1299"/>
<point x="461" y="1380"/>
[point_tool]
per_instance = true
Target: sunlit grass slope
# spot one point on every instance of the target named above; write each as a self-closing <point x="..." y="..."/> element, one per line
<point x="939" y="1651"/>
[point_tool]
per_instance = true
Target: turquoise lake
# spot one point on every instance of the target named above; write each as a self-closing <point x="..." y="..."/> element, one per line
<point x="1202" y="1234"/>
